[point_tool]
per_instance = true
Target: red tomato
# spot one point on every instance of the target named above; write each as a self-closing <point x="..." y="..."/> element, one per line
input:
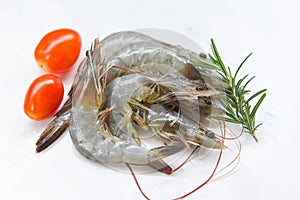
<point x="58" y="50"/>
<point x="43" y="96"/>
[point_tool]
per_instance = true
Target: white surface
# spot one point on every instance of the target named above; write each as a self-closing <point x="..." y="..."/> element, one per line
<point x="268" y="169"/>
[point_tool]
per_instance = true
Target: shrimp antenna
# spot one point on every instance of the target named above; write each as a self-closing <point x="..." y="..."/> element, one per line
<point x="136" y="181"/>
<point x="187" y="159"/>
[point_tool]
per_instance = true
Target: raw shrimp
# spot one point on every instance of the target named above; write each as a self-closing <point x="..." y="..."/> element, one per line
<point x="129" y="49"/>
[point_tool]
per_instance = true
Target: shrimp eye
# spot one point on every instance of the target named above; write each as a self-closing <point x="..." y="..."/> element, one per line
<point x="207" y="101"/>
<point x="210" y="134"/>
<point x="199" y="87"/>
<point x="203" y="55"/>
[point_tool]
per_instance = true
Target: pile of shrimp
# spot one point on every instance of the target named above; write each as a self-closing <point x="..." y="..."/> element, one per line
<point x="137" y="101"/>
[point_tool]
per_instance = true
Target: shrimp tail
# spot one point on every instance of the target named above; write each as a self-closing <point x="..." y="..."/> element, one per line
<point x="55" y="128"/>
<point x="62" y="118"/>
<point x="51" y="133"/>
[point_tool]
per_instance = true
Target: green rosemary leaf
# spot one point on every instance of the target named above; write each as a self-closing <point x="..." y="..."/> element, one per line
<point x="246" y="112"/>
<point x="245" y="92"/>
<point x="212" y="59"/>
<point x="248" y="82"/>
<point x="257" y="126"/>
<point x="232" y="98"/>
<point x="218" y="57"/>
<point x="205" y="64"/>
<point x="229" y="112"/>
<point x="253" y="112"/>
<point x="229" y="72"/>
<point x="238" y="85"/>
<point x="255" y="95"/>
<point x="223" y="76"/>
<point x="242" y="63"/>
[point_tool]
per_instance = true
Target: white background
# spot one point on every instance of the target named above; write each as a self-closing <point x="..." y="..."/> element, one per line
<point x="268" y="28"/>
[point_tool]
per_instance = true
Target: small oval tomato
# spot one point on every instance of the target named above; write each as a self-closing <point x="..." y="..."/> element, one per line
<point x="43" y="96"/>
<point x="58" y="50"/>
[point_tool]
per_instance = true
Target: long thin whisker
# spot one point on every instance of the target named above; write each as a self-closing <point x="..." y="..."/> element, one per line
<point x="136" y="181"/>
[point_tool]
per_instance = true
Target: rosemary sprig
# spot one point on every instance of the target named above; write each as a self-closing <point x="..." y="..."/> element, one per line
<point x="236" y="105"/>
